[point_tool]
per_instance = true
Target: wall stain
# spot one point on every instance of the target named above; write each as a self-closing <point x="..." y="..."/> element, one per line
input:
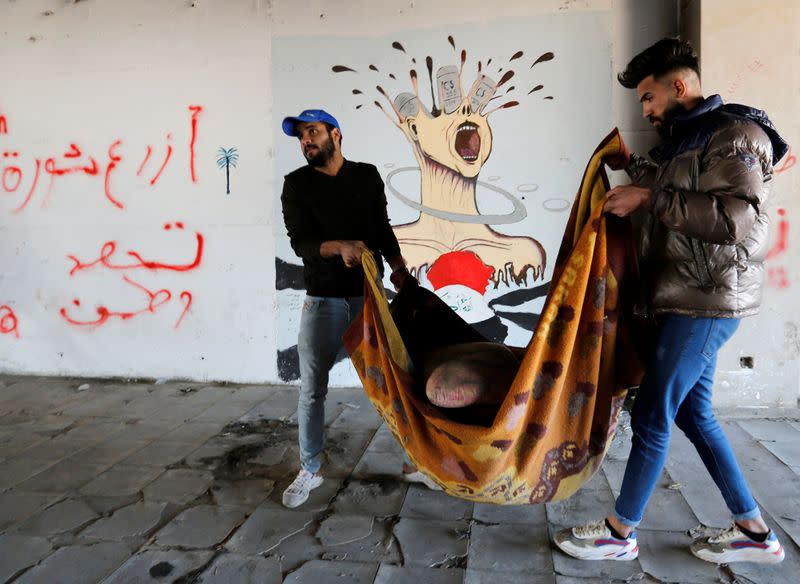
<point x="792" y="335"/>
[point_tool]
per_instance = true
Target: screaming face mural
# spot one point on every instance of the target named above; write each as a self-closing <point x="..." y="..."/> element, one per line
<point x="451" y="144"/>
<point x="470" y="177"/>
<point x="452" y="244"/>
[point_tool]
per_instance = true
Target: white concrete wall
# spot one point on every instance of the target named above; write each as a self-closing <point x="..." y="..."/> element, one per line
<point x="637" y="26"/>
<point x="750" y="53"/>
<point x="97" y="73"/>
<point x="92" y="73"/>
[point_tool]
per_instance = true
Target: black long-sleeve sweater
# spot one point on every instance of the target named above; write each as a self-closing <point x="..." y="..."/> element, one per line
<point x="349" y="206"/>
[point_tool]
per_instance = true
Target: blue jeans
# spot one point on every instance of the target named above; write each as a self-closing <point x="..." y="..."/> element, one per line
<point x="322" y="323"/>
<point x="677" y="387"/>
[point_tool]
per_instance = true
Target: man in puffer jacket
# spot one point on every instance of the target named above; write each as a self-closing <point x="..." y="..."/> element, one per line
<point x="702" y="246"/>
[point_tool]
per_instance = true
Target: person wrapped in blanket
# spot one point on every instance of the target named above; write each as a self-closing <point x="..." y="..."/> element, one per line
<point x="456" y="365"/>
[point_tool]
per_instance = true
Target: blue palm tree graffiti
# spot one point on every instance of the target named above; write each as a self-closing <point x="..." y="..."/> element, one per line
<point x="226" y="159"/>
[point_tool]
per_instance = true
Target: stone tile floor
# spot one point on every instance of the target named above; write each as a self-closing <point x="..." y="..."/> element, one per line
<point x="102" y="481"/>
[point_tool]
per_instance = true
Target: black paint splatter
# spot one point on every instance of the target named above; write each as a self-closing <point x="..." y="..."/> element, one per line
<point x="543" y="57"/>
<point x="508" y="75"/>
<point x="429" y="64"/>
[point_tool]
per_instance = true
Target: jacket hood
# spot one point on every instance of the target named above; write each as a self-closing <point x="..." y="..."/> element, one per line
<point x="682" y="123"/>
<point x="779" y="145"/>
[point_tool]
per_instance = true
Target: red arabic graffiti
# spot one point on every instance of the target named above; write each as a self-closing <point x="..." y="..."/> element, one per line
<point x="783" y="236"/>
<point x="752" y="67"/>
<point x="144" y="162"/>
<point x="110" y="247"/>
<point x="163" y="165"/>
<point x="777" y="276"/>
<point x="195" y="109"/>
<point x="11" y="171"/>
<point x="161" y="168"/>
<point x="113" y="159"/>
<point x="788" y="162"/>
<point x="73" y="161"/>
<point x="156" y="299"/>
<point x="8" y="321"/>
<point x="186" y="298"/>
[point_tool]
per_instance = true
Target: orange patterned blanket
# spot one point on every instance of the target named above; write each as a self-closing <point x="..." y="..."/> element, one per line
<point x="549" y="435"/>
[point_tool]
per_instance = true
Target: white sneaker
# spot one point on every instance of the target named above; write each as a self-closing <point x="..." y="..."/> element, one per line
<point x="297" y="493"/>
<point x="731" y="545"/>
<point x="594" y="541"/>
<point x="419" y="477"/>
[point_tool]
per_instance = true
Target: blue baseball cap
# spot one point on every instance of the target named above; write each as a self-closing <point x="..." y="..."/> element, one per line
<point x="309" y="115"/>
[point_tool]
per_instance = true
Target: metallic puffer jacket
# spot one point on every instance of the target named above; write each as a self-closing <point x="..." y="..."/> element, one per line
<point x="704" y="241"/>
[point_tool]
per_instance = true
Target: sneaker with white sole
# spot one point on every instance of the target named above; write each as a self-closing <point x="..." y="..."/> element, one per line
<point x="731" y="545"/>
<point x="419" y="477"/>
<point x="594" y="541"/>
<point x="297" y="493"/>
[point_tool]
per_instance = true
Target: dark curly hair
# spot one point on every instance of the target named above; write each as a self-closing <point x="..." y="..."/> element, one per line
<point x="666" y="56"/>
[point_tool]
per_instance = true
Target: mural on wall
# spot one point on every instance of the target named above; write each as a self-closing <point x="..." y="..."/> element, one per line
<point x="452" y="241"/>
<point x="40" y="176"/>
<point x="227" y="158"/>
<point x="451" y="142"/>
<point x="464" y="104"/>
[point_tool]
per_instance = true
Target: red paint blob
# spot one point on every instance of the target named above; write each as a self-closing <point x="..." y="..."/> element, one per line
<point x="460" y="267"/>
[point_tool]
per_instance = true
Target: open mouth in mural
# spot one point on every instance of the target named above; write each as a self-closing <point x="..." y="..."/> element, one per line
<point x="468" y="142"/>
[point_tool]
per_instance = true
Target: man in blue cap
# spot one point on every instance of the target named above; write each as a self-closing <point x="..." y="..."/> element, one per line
<point x="333" y="209"/>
